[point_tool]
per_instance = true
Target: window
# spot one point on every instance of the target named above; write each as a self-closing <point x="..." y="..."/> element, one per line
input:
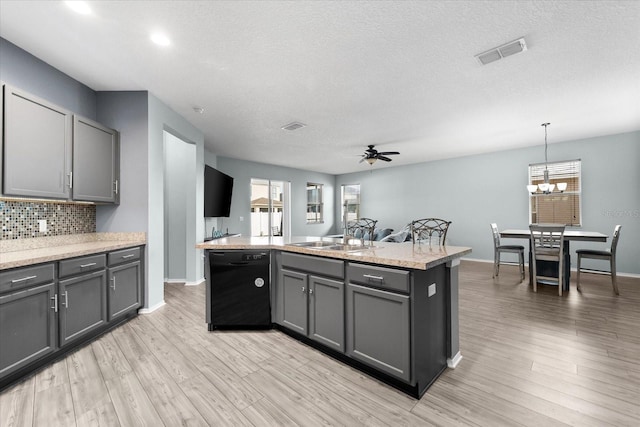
<point x="314" y="203"/>
<point x="557" y="207"/>
<point x="350" y="202"/>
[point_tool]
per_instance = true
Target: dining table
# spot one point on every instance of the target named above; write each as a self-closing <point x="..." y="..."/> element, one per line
<point x="551" y="268"/>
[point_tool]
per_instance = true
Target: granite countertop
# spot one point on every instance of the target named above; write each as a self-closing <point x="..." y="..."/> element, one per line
<point x="23" y="252"/>
<point x="419" y="256"/>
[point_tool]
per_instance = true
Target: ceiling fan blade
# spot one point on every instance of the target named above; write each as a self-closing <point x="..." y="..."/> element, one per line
<point x="363" y="159"/>
<point x="389" y="153"/>
<point x="383" y="158"/>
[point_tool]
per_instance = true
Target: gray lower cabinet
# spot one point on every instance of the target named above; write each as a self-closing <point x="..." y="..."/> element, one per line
<point x="125" y="291"/>
<point x="37" y="137"/>
<point x="326" y="311"/>
<point x="309" y="303"/>
<point x="47" y="307"/>
<point x="28" y="318"/>
<point x="294" y="303"/>
<point x="95" y="162"/>
<point x="83" y="305"/>
<point x="379" y="318"/>
<point x="378" y="326"/>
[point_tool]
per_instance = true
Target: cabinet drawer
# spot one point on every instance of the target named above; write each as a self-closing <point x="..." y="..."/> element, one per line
<point x="124" y="255"/>
<point x="85" y="264"/>
<point x="312" y="264"/>
<point x="379" y="277"/>
<point x="25" y="277"/>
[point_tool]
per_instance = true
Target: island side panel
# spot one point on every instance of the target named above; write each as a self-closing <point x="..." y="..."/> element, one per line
<point x="453" y="328"/>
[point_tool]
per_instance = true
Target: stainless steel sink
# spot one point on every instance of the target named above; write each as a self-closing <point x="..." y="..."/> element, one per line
<point x="317" y="244"/>
<point x="348" y="248"/>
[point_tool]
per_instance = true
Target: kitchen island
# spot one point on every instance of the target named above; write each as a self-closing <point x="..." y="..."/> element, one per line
<point x="389" y="309"/>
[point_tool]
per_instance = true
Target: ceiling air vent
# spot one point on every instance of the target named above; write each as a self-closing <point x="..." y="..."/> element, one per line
<point x="503" y="51"/>
<point x="293" y="126"/>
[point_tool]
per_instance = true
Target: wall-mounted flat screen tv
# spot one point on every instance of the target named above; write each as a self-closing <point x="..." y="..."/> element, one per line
<point x="217" y="193"/>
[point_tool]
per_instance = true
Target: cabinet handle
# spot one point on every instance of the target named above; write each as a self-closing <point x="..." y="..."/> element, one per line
<point x="115" y="184"/>
<point x="369" y="276"/>
<point x="70" y="179"/>
<point x="55" y="302"/>
<point x="310" y="291"/>
<point x="23" y="279"/>
<point x="87" y="265"/>
<point x="66" y="299"/>
<point x="127" y="256"/>
<point x="113" y="279"/>
<point x="303" y="289"/>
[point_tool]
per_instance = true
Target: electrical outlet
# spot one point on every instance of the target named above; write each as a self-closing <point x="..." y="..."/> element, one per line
<point x="241" y="218"/>
<point x="432" y="289"/>
<point x="42" y="224"/>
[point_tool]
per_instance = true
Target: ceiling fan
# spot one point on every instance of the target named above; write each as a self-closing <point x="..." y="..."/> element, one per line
<point x="371" y="155"/>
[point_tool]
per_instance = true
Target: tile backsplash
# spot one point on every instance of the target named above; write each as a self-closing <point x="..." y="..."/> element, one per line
<point x="20" y="218"/>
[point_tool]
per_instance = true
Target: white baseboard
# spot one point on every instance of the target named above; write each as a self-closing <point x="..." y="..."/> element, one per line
<point x="175" y="280"/>
<point x="196" y="283"/>
<point x="151" y="309"/>
<point x="453" y="362"/>
<point x="526" y="264"/>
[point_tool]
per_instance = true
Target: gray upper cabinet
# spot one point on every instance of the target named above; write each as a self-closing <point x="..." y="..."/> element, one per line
<point x="37" y="147"/>
<point x="95" y="162"/>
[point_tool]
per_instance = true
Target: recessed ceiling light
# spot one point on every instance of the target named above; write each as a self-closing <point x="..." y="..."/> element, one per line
<point x="160" y="39"/>
<point x="80" y="7"/>
<point x="198" y="110"/>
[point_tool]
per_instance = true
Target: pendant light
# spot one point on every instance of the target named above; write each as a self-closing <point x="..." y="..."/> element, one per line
<point x="546" y="187"/>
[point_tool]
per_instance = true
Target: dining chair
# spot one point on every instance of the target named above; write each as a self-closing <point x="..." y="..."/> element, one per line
<point x="499" y="249"/>
<point x="423" y="229"/>
<point x="547" y="241"/>
<point x="362" y="228"/>
<point x="609" y="255"/>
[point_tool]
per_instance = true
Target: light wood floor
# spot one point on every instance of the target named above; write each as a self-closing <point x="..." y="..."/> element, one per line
<point x="529" y="359"/>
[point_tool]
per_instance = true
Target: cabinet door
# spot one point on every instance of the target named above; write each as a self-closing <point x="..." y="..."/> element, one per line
<point x="294" y="287"/>
<point x="124" y="289"/>
<point x="37" y="147"/>
<point x="95" y="162"/>
<point x="83" y="305"/>
<point x="326" y="312"/>
<point x="27" y="327"/>
<point x="378" y="328"/>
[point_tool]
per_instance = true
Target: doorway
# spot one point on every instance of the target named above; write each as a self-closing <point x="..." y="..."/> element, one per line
<point x="270" y="213"/>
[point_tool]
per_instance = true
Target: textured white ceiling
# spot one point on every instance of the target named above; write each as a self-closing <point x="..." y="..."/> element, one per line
<point x="400" y="75"/>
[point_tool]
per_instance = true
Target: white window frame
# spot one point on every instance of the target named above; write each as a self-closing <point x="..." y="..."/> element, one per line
<point x="558" y="172"/>
<point x="319" y="214"/>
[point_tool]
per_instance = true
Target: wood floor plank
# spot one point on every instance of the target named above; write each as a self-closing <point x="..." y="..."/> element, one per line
<point x="171" y="404"/>
<point x="16" y="404"/>
<point x="53" y="405"/>
<point x="91" y="400"/>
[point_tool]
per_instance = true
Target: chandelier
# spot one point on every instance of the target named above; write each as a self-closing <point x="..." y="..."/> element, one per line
<point x="546" y="187"/>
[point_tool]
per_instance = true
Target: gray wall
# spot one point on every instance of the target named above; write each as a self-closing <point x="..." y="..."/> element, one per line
<point x="179" y="165"/>
<point x="161" y="119"/>
<point x="242" y="171"/>
<point x="477" y="190"/>
<point x="23" y="70"/>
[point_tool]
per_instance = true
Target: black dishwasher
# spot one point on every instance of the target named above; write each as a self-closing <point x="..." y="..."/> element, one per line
<point x="238" y="294"/>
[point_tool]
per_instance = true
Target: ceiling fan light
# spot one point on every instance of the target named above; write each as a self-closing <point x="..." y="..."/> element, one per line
<point x="371" y="160"/>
